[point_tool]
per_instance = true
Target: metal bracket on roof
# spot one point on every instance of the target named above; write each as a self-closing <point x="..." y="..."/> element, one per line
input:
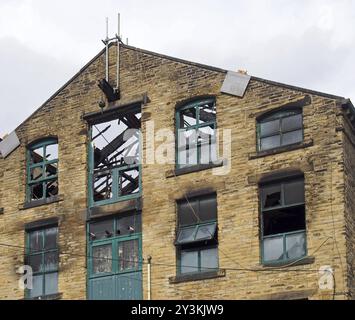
<point x="235" y="83"/>
<point x="9" y="144"/>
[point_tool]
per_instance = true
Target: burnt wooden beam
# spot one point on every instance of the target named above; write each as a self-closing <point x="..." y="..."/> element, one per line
<point x="110" y="93"/>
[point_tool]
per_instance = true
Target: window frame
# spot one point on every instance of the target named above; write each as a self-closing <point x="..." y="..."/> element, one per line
<point x="115" y="175"/>
<point x="279" y="115"/>
<point x="199" y="269"/>
<point x="195" y="104"/>
<point x="43" y="144"/>
<point x="197" y="245"/>
<point x="284" y="235"/>
<point x="42" y="252"/>
<point x="114" y="241"/>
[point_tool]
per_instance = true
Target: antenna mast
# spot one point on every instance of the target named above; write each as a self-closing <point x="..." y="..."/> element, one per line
<point x="118" y="36"/>
<point x="107" y="50"/>
<point x="112" y="93"/>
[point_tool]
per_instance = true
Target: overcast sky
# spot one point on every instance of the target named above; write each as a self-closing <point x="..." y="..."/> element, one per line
<point x="308" y="43"/>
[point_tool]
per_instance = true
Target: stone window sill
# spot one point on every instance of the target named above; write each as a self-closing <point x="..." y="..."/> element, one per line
<point x="42" y="202"/>
<point x="198" y="276"/>
<point x="300" y="262"/>
<point x="195" y="168"/>
<point x="261" y="154"/>
<point x="56" y="296"/>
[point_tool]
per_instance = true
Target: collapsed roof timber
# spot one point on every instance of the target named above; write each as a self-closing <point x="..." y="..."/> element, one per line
<point x="116" y="148"/>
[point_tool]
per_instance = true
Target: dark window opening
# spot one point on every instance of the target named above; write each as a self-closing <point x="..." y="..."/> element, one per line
<point x="283" y="221"/>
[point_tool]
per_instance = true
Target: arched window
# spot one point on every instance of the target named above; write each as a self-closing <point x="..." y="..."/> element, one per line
<point x="42" y="170"/>
<point x="281" y="128"/>
<point x="196" y="133"/>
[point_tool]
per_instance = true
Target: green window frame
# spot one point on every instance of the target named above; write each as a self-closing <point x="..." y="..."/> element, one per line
<point x="199" y="265"/>
<point x="283" y="221"/>
<point x="42" y="170"/>
<point x="197" y="121"/>
<point x="112" y="178"/>
<point x="42" y="255"/>
<point x="197" y="235"/>
<point x="113" y="241"/>
<point x="279" y="129"/>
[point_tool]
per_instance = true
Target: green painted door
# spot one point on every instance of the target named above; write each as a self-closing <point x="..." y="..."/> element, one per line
<point x="115" y="267"/>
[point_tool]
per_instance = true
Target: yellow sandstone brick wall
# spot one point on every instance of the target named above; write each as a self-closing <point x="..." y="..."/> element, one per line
<point x="167" y="82"/>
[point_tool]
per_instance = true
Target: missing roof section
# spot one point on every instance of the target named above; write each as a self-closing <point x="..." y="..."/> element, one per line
<point x="235" y="83"/>
<point x="9" y="144"/>
<point x="116" y="157"/>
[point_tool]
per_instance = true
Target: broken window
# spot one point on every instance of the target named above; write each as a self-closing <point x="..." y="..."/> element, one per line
<point x="196" y="239"/>
<point x="283" y="220"/>
<point x="280" y="129"/>
<point x="115" y="159"/>
<point x="42" y="171"/>
<point x="196" y="127"/>
<point x="42" y="256"/>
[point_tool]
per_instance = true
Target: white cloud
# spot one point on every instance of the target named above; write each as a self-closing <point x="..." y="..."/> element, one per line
<point x="306" y="43"/>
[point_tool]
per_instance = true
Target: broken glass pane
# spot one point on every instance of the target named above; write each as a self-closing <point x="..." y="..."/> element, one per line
<point x="207" y="112"/>
<point x="187" y="147"/>
<point x="209" y="259"/>
<point x="129" y="182"/>
<point x="101" y="230"/>
<point x="117" y="142"/>
<point x="206" y="232"/>
<point x="51" y="283"/>
<point x="188" y="117"/>
<point x="294" y="192"/>
<point x="207" y="142"/>
<point x="51" y="261"/>
<point x="36" y="173"/>
<point x="36" y="241"/>
<point x="292" y="137"/>
<point x="271" y="196"/>
<point x="51" y="169"/>
<point x="273" y="249"/>
<point x="270" y="128"/>
<point x="284" y="220"/>
<point x="102" y="186"/>
<point x="292" y="123"/>
<point x="36" y="191"/>
<point x="51" y="238"/>
<point x="186" y="235"/>
<point x="296" y="245"/>
<point x="128" y="255"/>
<point x="37" y="286"/>
<point x="102" y="259"/>
<point x="52" y="152"/>
<point x="37" y="155"/>
<point x="188" y="261"/>
<point x="270" y="143"/>
<point x="51" y="188"/>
